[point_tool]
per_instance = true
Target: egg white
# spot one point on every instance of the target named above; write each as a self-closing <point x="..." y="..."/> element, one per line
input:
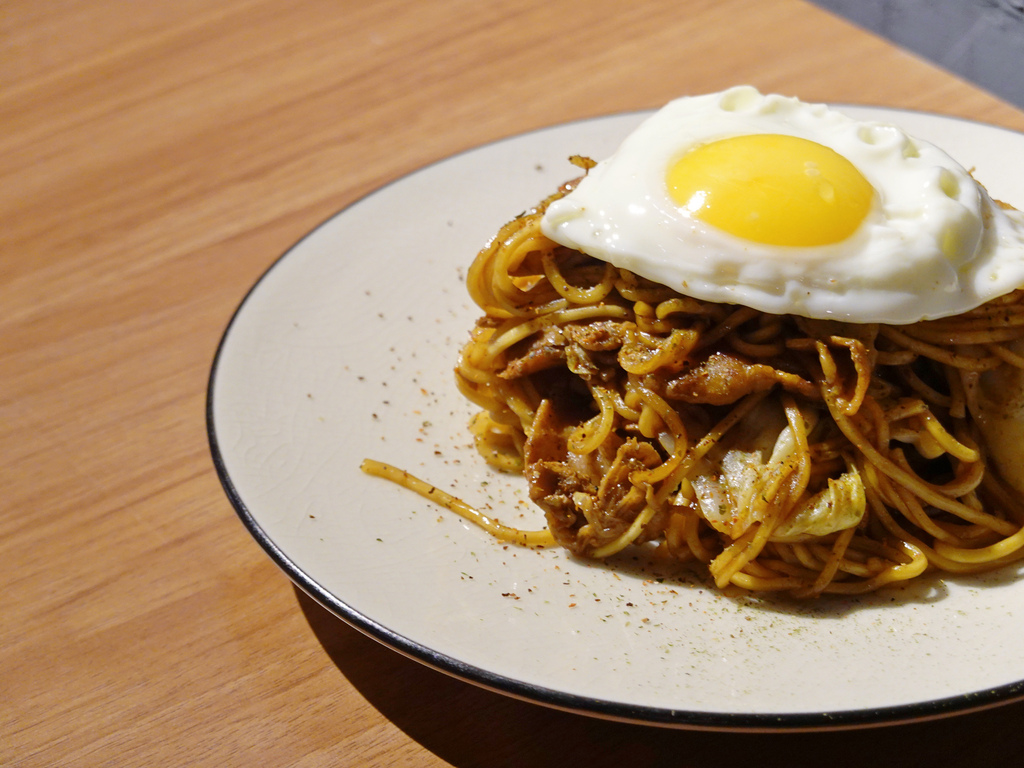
<point x="933" y="245"/>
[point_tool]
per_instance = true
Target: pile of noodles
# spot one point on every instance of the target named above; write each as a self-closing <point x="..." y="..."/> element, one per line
<point x="772" y="452"/>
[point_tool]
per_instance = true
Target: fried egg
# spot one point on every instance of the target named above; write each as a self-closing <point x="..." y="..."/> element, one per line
<point x="793" y="208"/>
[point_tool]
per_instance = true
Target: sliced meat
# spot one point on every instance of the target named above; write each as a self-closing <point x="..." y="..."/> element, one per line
<point x="723" y="378"/>
<point x="588" y="500"/>
<point x="545" y="351"/>
<point x="599" y="336"/>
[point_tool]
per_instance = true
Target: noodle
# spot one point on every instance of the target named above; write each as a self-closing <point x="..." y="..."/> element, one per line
<point x="496" y="529"/>
<point x="773" y="453"/>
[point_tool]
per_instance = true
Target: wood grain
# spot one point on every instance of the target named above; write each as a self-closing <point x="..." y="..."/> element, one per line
<point x="155" y="158"/>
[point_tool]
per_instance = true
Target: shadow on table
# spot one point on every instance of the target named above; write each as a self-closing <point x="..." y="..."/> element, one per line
<point x="468" y="726"/>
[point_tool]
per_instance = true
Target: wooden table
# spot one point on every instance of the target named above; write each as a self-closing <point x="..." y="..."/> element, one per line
<point x="155" y="158"/>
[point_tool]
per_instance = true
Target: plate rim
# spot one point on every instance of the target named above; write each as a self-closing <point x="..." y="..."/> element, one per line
<point x="919" y="711"/>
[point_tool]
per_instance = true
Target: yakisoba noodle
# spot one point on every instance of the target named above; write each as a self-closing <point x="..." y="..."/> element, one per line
<point x="772" y="452"/>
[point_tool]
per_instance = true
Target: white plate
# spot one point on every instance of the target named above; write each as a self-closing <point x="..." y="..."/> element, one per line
<point x="345" y="349"/>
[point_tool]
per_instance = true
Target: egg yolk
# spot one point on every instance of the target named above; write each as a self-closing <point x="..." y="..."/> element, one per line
<point x="772" y="189"/>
